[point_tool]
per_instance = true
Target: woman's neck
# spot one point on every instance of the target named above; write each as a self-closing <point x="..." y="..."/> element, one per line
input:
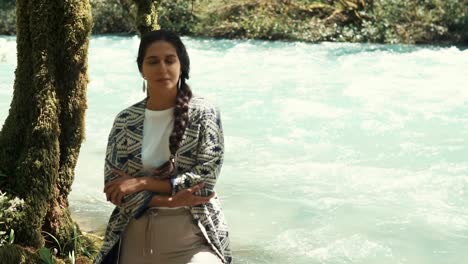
<point x="161" y="101"/>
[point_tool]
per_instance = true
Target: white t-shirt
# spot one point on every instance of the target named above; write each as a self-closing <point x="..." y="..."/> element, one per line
<point x="157" y="128"/>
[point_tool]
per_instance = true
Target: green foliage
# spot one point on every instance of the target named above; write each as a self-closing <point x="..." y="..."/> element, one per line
<point x="80" y="245"/>
<point x="8" y="17"/>
<point x="304" y="20"/>
<point x="45" y="256"/>
<point x="384" y="21"/>
<point x="266" y="24"/>
<point x="421" y="21"/>
<point x="10" y="211"/>
<point x="245" y="19"/>
<point x="109" y="16"/>
<point x="55" y="240"/>
<point x="7" y="3"/>
<point x="387" y="21"/>
<point x="176" y="15"/>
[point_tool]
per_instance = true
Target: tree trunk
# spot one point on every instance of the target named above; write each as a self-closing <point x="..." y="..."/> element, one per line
<point x="147" y="17"/>
<point x="41" y="137"/>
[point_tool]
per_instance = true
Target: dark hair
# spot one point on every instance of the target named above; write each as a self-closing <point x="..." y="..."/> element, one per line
<point x="184" y="94"/>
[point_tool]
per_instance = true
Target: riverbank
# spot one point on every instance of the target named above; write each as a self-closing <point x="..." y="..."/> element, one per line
<point x="377" y="21"/>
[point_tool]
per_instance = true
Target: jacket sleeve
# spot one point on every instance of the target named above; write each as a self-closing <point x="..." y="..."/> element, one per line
<point x="117" y="157"/>
<point x="209" y="156"/>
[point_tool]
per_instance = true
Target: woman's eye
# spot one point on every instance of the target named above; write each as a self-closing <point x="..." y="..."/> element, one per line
<point x="170" y="62"/>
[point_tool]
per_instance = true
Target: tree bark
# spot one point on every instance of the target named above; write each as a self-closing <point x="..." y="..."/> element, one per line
<point x="41" y="137"/>
<point x="147" y="17"/>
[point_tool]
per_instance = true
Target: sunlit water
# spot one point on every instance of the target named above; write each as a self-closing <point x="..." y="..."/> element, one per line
<point x="336" y="153"/>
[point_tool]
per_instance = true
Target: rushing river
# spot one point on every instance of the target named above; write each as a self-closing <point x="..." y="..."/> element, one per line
<point x="335" y="153"/>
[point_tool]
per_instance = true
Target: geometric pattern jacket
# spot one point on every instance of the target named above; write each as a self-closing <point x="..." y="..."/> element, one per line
<point x="198" y="159"/>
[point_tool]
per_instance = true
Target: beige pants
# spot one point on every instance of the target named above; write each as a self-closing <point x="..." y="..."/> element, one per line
<point x="165" y="236"/>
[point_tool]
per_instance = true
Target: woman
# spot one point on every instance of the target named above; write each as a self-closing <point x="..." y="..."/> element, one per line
<point x="163" y="158"/>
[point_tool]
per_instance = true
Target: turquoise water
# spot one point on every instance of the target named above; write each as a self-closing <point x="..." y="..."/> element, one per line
<point x="335" y="153"/>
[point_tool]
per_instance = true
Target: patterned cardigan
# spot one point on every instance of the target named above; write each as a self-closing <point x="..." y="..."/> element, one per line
<point x="198" y="159"/>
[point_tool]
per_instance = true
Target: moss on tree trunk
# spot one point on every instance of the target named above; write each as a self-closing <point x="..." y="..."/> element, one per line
<point x="18" y="255"/>
<point x="147" y="18"/>
<point x="41" y="137"/>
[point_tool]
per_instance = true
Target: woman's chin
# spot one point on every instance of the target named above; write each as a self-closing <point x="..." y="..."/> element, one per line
<point x="163" y="86"/>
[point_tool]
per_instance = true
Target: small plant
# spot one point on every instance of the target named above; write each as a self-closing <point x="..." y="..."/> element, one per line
<point x="9" y="212"/>
<point x="55" y="239"/>
<point x="45" y="256"/>
<point x="71" y="256"/>
<point x="46" y="253"/>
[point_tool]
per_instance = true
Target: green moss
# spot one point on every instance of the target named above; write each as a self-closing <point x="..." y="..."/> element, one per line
<point x="147" y="17"/>
<point x="18" y="255"/>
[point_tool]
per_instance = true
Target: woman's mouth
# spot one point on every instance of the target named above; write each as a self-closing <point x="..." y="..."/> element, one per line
<point x="163" y="80"/>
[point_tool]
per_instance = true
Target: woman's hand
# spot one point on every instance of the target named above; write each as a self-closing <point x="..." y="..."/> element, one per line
<point x="125" y="184"/>
<point x="187" y="197"/>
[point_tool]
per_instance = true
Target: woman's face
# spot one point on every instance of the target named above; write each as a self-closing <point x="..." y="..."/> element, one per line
<point x="161" y="66"/>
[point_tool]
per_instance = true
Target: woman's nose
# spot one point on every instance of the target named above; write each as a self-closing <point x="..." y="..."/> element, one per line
<point x="163" y="67"/>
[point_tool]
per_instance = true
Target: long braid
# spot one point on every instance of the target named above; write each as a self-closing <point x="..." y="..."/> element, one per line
<point x="181" y="109"/>
<point x="181" y="117"/>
